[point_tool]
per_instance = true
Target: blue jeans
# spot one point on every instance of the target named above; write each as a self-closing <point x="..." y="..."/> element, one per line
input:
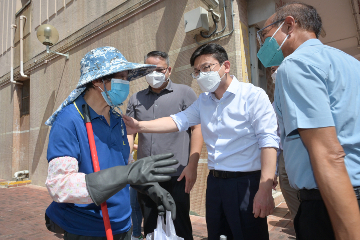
<point x="136" y="215"/>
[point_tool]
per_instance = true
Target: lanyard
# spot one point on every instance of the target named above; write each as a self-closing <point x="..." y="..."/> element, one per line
<point x="113" y="110"/>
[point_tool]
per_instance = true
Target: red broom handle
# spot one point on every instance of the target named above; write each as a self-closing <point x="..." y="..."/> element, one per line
<point x="96" y="166"/>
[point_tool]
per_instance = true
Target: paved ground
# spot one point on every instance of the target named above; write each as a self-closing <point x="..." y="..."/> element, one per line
<point x="22" y="217"/>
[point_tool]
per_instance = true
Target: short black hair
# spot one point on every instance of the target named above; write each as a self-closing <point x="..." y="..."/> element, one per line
<point x="216" y="50"/>
<point x="305" y="15"/>
<point x="160" y="54"/>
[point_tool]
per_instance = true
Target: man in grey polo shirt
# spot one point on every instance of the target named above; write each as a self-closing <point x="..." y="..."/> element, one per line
<point x="163" y="98"/>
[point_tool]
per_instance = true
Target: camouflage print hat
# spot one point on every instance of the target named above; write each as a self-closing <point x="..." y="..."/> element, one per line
<point x="98" y="63"/>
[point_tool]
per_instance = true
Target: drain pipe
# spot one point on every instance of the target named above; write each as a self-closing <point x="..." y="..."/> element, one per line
<point x="22" y="25"/>
<point x="13" y="26"/>
<point x="21" y="174"/>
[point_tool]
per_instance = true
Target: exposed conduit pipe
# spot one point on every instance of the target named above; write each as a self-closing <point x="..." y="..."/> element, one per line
<point x="88" y="38"/>
<point x="356" y="15"/>
<point x="110" y="25"/>
<point x="213" y="39"/>
<point x="22" y="25"/>
<point x="225" y="20"/>
<point x="13" y="26"/>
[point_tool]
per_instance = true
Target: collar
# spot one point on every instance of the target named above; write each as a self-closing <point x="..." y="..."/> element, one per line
<point x="168" y="88"/>
<point x="80" y="102"/>
<point x="232" y="89"/>
<point x="310" y="42"/>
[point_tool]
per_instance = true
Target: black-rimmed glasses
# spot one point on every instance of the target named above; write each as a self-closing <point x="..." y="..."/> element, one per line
<point x="260" y="35"/>
<point x="204" y="69"/>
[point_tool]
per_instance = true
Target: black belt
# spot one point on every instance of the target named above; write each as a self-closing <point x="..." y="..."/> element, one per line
<point x="225" y="174"/>
<point x="314" y="194"/>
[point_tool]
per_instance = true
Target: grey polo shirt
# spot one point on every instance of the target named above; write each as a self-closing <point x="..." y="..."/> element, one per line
<point x="147" y="105"/>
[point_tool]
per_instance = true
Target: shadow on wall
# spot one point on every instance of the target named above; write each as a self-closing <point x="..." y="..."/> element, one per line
<point x="44" y="130"/>
<point x="168" y="28"/>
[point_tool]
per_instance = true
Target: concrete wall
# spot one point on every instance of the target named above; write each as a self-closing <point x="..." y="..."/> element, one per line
<point x="135" y="27"/>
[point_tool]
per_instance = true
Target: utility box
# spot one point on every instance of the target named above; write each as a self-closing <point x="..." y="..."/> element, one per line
<point x="196" y="20"/>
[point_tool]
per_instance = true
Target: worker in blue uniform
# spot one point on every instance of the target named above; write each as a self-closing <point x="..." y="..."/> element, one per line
<point x="76" y="189"/>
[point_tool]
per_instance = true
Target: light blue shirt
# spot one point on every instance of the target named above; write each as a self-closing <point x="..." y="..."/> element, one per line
<point x="235" y="128"/>
<point x="318" y="86"/>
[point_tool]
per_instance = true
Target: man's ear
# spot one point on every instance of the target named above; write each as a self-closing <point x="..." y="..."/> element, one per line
<point x="289" y="24"/>
<point x="227" y="66"/>
<point x="97" y="82"/>
<point x="169" y="70"/>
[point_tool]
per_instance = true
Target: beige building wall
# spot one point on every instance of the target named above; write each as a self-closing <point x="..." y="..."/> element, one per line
<point x="135" y="27"/>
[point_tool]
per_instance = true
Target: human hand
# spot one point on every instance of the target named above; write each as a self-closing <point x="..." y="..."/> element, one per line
<point x="151" y="169"/>
<point x="160" y="196"/>
<point x="132" y="125"/>
<point x="104" y="184"/>
<point x="263" y="204"/>
<point x="190" y="174"/>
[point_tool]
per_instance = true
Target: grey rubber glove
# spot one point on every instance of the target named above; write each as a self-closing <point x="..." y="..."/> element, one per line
<point x="104" y="184"/>
<point x="160" y="196"/>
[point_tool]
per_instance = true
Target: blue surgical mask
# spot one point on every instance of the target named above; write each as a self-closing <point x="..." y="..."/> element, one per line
<point x="118" y="93"/>
<point x="270" y="53"/>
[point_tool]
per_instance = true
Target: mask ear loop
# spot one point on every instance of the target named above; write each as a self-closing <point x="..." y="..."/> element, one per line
<point x="277" y="30"/>
<point x="113" y="110"/>
<point x="219" y="71"/>
<point x="283" y="42"/>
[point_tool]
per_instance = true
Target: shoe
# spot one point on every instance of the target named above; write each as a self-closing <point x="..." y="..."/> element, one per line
<point x="139" y="238"/>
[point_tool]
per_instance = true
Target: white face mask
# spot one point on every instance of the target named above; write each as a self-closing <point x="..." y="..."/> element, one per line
<point x="155" y="79"/>
<point x="209" y="81"/>
<point x="273" y="76"/>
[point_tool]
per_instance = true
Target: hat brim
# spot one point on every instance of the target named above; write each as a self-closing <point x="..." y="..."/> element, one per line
<point x="136" y="70"/>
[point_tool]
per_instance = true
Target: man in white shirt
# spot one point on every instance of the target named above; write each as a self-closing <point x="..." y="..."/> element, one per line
<point x="239" y="126"/>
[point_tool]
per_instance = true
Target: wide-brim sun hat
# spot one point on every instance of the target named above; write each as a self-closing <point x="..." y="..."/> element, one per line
<point x="99" y="63"/>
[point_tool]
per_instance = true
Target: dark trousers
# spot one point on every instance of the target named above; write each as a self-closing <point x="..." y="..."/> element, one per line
<point x="182" y="222"/>
<point x="312" y="221"/>
<point x="229" y="206"/>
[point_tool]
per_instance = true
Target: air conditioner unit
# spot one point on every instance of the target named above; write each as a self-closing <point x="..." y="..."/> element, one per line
<point x="211" y="3"/>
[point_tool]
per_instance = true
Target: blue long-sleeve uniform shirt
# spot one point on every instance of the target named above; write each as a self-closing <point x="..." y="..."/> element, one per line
<point x="68" y="137"/>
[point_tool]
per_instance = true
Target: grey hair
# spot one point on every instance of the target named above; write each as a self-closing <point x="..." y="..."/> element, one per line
<point x="305" y="16"/>
<point x="160" y="54"/>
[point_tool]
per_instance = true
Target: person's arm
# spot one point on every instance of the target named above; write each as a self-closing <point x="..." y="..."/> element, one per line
<point x="327" y="160"/>
<point x="64" y="183"/>
<point x="264" y="122"/>
<point x="190" y="171"/>
<point x="177" y="122"/>
<point x="160" y="125"/>
<point x="263" y="200"/>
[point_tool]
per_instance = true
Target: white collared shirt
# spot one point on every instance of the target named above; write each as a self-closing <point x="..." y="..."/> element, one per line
<point x="235" y="128"/>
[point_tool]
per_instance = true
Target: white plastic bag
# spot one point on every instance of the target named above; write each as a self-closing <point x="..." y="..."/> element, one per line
<point x="162" y="231"/>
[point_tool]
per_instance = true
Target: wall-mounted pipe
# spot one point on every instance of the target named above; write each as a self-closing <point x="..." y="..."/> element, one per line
<point x="12" y="56"/>
<point x="225" y="20"/>
<point x="21" y="175"/>
<point x="213" y="39"/>
<point x="22" y="25"/>
<point x="93" y="35"/>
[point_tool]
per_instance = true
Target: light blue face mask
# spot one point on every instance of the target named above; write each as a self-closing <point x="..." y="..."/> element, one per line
<point x="270" y="53"/>
<point x="118" y="93"/>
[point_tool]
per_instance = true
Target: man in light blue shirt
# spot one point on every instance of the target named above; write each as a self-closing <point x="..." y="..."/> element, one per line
<point x="239" y="127"/>
<point x="317" y="96"/>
